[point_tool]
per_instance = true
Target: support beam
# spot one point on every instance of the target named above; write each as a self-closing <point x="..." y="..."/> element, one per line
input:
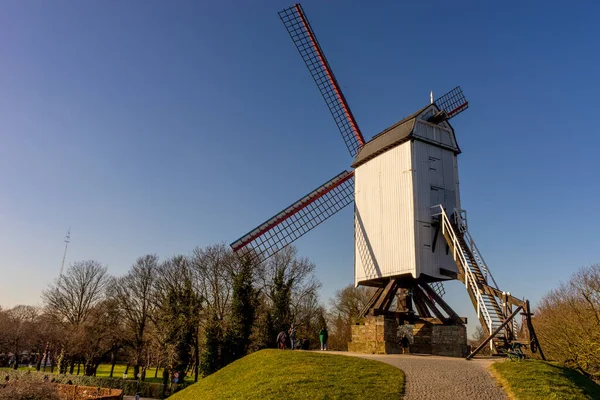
<point x="494" y="333"/>
<point x="443" y="305"/>
<point x="386" y="292"/>
<point x="430" y="304"/>
<point x="371" y="302"/>
<point x="420" y="304"/>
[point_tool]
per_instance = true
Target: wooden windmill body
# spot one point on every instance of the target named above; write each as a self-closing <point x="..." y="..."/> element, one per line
<point x="399" y="175"/>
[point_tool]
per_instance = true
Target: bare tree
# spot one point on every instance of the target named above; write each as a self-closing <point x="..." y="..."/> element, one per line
<point x="73" y="294"/>
<point x="69" y="300"/>
<point x="133" y="294"/>
<point x="17" y="328"/>
<point x="345" y="309"/>
<point x="99" y="335"/>
<point x="213" y="267"/>
<point x="567" y="322"/>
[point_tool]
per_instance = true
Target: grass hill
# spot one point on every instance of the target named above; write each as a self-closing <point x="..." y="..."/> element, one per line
<point x="539" y="380"/>
<point x="279" y="374"/>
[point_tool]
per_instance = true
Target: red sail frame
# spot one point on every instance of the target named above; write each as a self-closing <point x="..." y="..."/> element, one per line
<point x="299" y="218"/>
<point x="308" y="46"/>
<point x="452" y="103"/>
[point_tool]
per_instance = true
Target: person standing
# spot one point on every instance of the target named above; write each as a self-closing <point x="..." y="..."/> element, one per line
<point x="292" y="334"/>
<point x="281" y="340"/>
<point x="404" y="342"/>
<point x="323" y="336"/>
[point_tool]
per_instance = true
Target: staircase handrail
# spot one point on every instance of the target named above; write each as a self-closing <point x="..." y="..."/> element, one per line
<point x="460" y="217"/>
<point x="470" y="277"/>
<point x="475" y="249"/>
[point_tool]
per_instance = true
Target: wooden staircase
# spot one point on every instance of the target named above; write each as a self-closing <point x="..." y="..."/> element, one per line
<point x="496" y="310"/>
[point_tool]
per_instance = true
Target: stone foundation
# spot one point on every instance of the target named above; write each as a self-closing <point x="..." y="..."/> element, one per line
<point x="381" y="335"/>
<point x="439" y="340"/>
<point x="377" y="335"/>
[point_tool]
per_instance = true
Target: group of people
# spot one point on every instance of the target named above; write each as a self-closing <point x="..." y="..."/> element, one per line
<point x="285" y="339"/>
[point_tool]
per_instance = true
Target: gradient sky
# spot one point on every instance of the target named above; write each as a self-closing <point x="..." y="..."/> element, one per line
<point x="155" y="127"/>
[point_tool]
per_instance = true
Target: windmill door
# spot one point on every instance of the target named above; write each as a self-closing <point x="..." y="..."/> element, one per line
<point x="436" y="195"/>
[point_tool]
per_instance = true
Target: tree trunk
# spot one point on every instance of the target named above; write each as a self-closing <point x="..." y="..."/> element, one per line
<point x="165" y="381"/>
<point x="197" y="353"/>
<point x="112" y="365"/>
<point x="41" y="359"/>
<point x="156" y="370"/>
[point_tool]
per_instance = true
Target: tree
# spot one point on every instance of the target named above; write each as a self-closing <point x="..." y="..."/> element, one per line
<point x="213" y="268"/>
<point x="567" y="322"/>
<point x="289" y="284"/>
<point x="70" y="299"/>
<point x="73" y="294"/>
<point x="17" y="328"/>
<point x="345" y="310"/>
<point x="178" y="306"/>
<point x="133" y="294"/>
<point x="211" y="359"/>
<point x="243" y="308"/>
<point x="99" y="335"/>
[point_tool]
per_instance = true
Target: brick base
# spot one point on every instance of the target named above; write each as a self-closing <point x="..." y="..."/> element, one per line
<point x="377" y="335"/>
<point x="381" y="335"/>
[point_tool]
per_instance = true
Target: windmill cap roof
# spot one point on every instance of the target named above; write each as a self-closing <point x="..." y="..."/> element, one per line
<point x="391" y="137"/>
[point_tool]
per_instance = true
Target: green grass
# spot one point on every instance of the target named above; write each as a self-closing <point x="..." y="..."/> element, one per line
<point x="280" y="374"/>
<point x="532" y="379"/>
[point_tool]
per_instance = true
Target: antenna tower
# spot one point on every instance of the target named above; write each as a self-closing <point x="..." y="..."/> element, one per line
<point x="67" y="241"/>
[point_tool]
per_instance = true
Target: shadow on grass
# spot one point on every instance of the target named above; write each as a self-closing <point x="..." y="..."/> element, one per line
<point x="532" y="379"/>
<point x="589" y="386"/>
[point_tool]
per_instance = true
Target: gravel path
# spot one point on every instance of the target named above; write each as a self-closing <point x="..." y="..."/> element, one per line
<point x="441" y="378"/>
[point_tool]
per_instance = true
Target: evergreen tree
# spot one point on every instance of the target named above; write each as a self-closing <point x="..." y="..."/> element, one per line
<point x="243" y="311"/>
<point x="281" y="293"/>
<point x="210" y="358"/>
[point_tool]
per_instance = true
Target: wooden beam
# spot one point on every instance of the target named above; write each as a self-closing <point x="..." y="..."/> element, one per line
<point x="532" y="336"/>
<point x="430" y="304"/>
<point x="436" y="297"/>
<point x="494" y="333"/>
<point x="371" y="301"/>
<point x="420" y="304"/>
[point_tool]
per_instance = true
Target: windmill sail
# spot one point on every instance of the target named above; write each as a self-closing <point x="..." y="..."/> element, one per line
<point x="297" y="219"/>
<point x="306" y="42"/>
<point x="452" y="103"/>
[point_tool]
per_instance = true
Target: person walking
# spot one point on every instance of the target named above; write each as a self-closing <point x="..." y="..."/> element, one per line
<point x="292" y="334"/>
<point x="323" y="336"/>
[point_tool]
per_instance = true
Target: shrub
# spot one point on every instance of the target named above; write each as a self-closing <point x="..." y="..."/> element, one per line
<point x="27" y="389"/>
<point x="130" y="387"/>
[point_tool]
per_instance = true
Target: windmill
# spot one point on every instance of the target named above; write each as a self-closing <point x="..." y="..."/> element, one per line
<point x="410" y="233"/>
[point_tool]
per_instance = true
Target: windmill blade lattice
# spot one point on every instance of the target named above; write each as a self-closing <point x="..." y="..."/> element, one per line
<point x="306" y="42"/>
<point x="299" y="218"/>
<point x="453" y="103"/>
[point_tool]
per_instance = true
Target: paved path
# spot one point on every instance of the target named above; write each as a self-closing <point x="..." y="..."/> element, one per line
<point x="441" y="378"/>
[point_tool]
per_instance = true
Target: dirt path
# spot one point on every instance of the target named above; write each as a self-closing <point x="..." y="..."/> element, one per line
<point x="441" y="378"/>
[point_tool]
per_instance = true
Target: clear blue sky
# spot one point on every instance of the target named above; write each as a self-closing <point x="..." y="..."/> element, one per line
<point x="149" y="127"/>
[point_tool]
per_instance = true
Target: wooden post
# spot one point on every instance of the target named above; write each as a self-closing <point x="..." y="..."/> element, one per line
<point x="533" y="340"/>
